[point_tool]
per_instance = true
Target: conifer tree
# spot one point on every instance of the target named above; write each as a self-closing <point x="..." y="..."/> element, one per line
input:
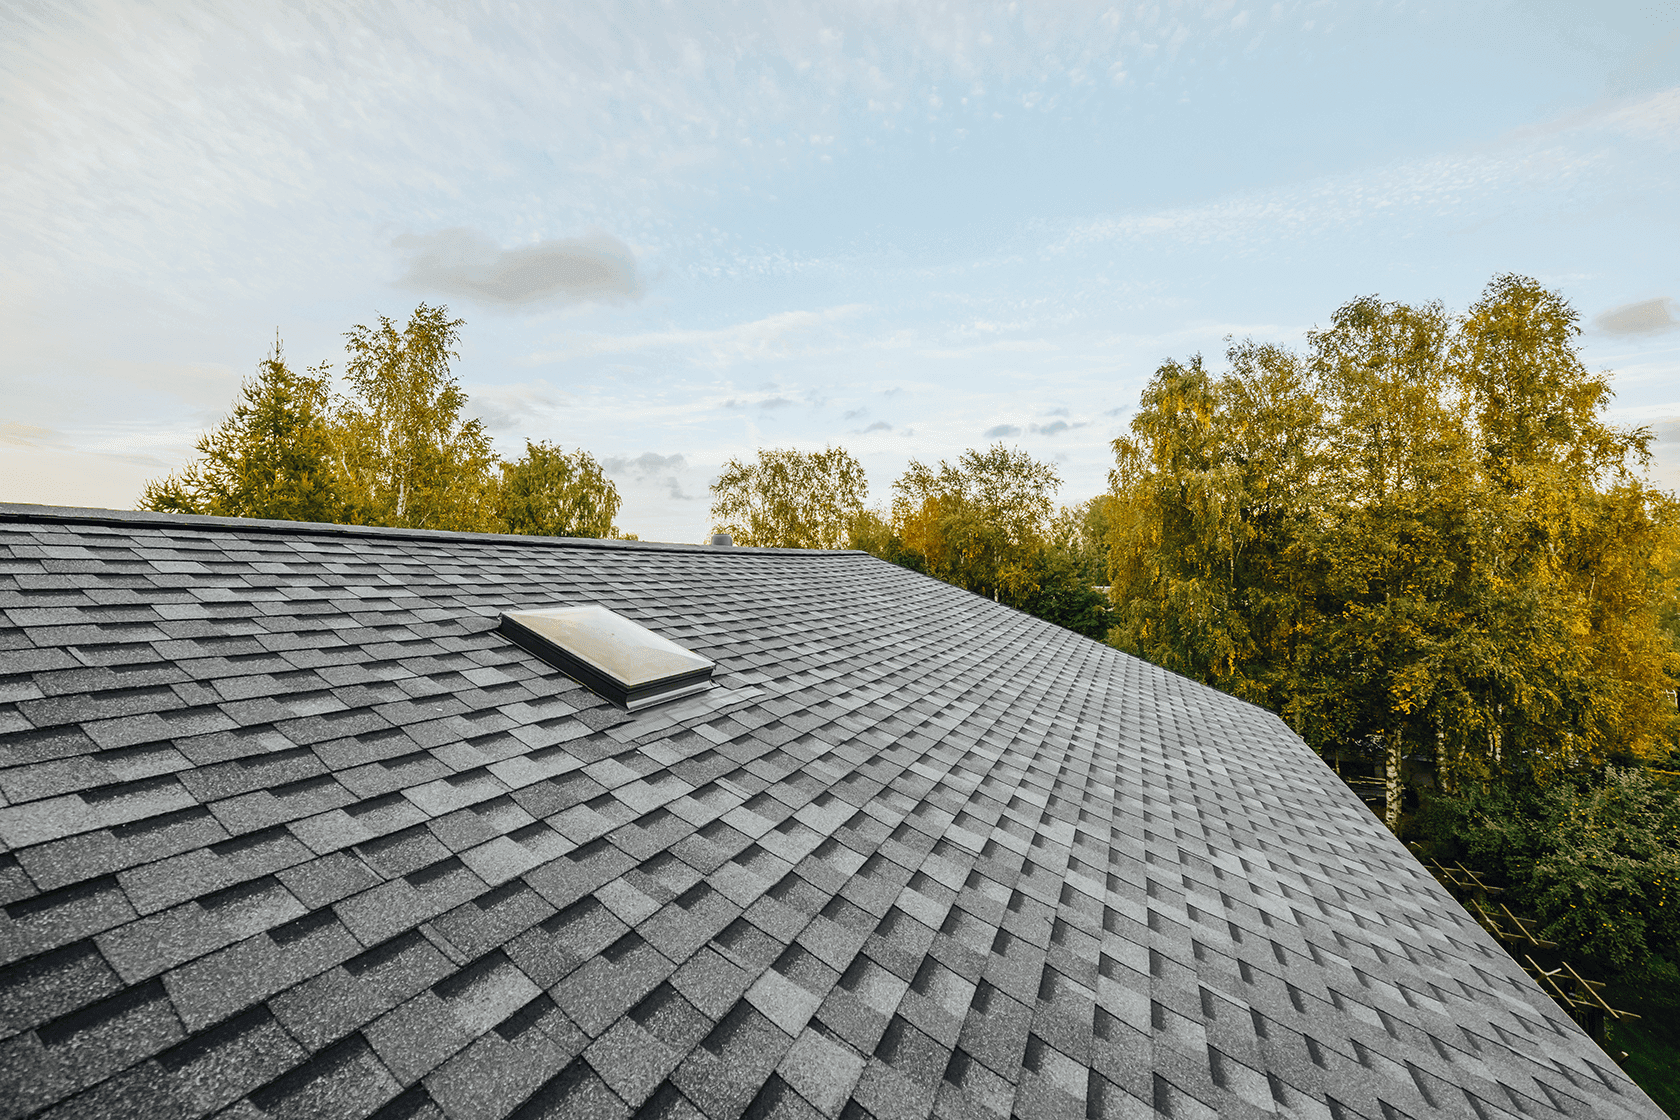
<point x="271" y="458"/>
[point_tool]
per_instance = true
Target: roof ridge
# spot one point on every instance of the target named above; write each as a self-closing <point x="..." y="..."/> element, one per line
<point x="15" y="512"/>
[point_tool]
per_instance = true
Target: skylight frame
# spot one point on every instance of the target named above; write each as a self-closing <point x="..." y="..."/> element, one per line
<point x="612" y="655"/>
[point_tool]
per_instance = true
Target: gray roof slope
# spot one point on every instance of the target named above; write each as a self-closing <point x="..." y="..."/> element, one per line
<point x="290" y="831"/>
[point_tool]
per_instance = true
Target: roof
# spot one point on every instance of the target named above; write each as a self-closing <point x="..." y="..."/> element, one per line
<point x="290" y="830"/>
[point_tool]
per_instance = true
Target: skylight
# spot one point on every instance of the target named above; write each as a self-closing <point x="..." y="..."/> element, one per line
<point x="621" y="660"/>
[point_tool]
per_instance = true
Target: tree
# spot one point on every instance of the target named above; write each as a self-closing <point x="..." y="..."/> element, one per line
<point x="1534" y="400"/>
<point x="1394" y="519"/>
<point x="271" y="458"/>
<point x="979" y="524"/>
<point x="873" y="531"/>
<point x="554" y="493"/>
<point x="396" y="451"/>
<point x="1419" y="533"/>
<point x="1595" y="858"/>
<point x="984" y="525"/>
<point x="1066" y="574"/>
<point x="1583" y="533"/>
<point x="1210" y="503"/>
<point x="1085" y="531"/>
<point x="790" y="498"/>
<point x="408" y="456"/>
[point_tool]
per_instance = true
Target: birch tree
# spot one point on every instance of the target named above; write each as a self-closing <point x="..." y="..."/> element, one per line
<point x="979" y="523"/>
<point x="787" y="498"/>
<point x="1419" y="532"/>
<point x="409" y="456"/>
<point x="552" y="492"/>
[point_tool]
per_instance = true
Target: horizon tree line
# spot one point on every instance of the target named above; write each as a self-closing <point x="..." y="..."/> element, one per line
<point x="394" y="450"/>
<point x="1417" y="534"/>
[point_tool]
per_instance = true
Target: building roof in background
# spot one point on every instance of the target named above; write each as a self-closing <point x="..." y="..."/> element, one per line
<point x="290" y="830"/>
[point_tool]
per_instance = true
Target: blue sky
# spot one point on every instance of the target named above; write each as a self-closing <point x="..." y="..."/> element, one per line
<point x="679" y="232"/>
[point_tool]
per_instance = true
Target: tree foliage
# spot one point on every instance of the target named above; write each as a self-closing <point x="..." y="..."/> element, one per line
<point x="988" y="524"/>
<point x="979" y="523"/>
<point x="1419" y="531"/>
<point x="1069" y="568"/>
<point x="1209" y="496"/>
<point x="789" y="498"/>
<point x="555" y="493"/>
<point x="271" y="458"/>
<point x="409" y="456"/>
<point x="985" y="523"/>
<point x="397" y="449"/>
<point x="1596" y="859"/>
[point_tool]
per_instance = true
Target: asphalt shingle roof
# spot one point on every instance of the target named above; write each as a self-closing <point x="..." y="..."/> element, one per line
<point x="289" y="830"/>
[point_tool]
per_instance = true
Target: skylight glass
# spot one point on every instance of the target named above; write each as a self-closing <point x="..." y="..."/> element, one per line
<point x="617" y="658"/>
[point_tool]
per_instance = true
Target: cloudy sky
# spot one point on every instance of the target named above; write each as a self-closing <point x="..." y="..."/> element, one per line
<point x="682" y="231"/>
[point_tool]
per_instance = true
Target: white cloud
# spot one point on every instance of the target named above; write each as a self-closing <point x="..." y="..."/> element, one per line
<point x="1523" y="169"/>
<point x="651" y="472"/>
<point x="1656" y="117"/>
<point x="516" y="406"/>
<point x="645" y="464"/>
<point x="14" y="434"/>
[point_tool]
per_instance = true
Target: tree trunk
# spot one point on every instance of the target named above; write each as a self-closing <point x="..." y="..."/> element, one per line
<point x="1391" y="776"/>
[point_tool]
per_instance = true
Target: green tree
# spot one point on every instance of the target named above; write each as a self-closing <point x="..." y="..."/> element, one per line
<point x="1064" y="576"/>
<point x="1535" y="403"/>
<point x="1595" y="858"/>
<point x="873" y="531"/>
<point x="1395" y="520"/>
<point x="789" y="498"/>
<point x="271" y="458"/>
<point x="1086" y="531"/>
<point x="1583" y="534"/>
<point x="979" y="524"/>
<point x="409" y="457"/>
<point x="554" y="493"/>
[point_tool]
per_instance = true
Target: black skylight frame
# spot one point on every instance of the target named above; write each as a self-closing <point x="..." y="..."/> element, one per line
<point x="611" y="668"/>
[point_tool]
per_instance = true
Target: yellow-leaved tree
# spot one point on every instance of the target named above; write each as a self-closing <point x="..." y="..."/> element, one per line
<point x="1420" y="534"/>
<point x="980" y="523"/>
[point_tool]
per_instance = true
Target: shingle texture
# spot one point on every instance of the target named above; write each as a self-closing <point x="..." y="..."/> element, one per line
<point x="288" y="830"/>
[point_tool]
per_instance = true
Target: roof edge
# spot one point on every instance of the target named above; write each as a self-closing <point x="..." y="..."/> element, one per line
<point x="16" y="512"/>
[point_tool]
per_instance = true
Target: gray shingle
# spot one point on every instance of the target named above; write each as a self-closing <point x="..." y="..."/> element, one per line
<point x="337" y="1002"/>
<point x="286" y="843"/>
<point x="218" y="1066"/>
<point x="229" y="980"/>
<point x="345" y="1081"/>
<point x="54" y="984"/>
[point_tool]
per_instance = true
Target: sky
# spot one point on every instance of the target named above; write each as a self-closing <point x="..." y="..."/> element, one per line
<point x="679" y="232"/>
